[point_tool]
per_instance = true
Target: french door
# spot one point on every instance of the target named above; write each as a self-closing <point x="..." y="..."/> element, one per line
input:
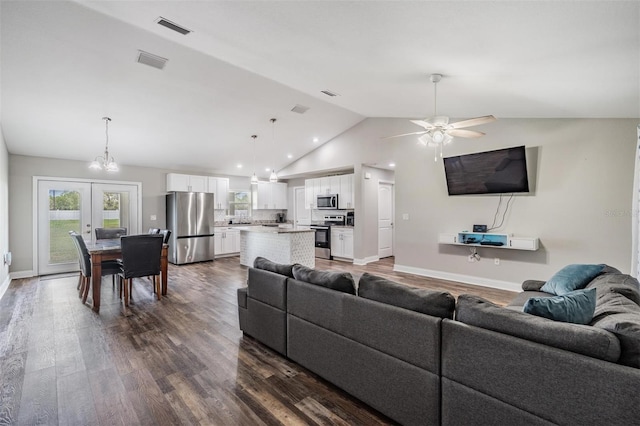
<point x="80" y="206"/>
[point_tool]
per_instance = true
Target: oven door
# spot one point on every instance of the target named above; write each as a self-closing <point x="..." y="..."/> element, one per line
<point x="322" y="241"/>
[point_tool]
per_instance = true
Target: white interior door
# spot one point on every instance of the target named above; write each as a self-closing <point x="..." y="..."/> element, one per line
<point x="385" y="220"/>
<point x="302" y="214"/>
<point x="62" y="207"/>
<point x="115" y="206"/>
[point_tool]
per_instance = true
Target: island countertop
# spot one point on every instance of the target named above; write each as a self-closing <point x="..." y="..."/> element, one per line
<point x="273" y="229"/>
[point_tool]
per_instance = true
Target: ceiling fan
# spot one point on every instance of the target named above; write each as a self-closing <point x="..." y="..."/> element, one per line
<point x="438" y="131"/>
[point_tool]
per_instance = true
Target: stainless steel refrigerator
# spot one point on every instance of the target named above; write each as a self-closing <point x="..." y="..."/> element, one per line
<point x="190" y="218"/>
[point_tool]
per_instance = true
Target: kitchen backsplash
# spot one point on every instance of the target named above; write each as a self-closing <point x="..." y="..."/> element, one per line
<point x="258" y="216"/>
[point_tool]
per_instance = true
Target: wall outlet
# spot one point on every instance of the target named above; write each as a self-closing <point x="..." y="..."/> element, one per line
<point x="496" y="261"/>
<point x="153" y="217"/>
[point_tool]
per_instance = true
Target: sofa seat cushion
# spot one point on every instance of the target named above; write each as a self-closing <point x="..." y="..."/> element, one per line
<point x="278" y="268"/>
<point x="582" y="339"/>
<point x="437" y="303"/>
<point x="621" y="316"/>
<point x="623" y="284"/>
<point x="340" y="281"/>
<point x="576" y="307"/>
<point x="571" y="277"/>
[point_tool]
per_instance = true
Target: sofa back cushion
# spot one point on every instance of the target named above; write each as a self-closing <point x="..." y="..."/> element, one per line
<point x="582" y="339"/>
<point x="621" y="316"/>
<point x="623" y="284"/>
<point x="437" y="303"/>
<point x="267" y="287"/>
<point x="278" y="268"/>
<point x="340" y="281"/>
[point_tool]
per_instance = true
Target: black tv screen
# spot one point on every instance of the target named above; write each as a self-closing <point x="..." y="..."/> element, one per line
<point x="492" y="172"/>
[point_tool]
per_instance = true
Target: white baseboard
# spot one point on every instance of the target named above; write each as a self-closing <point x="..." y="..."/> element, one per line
<point x="5" y="285"/>
<point x="467" y="279"/>
<point x="366" y="260"/>
<point x="21" y="274"/>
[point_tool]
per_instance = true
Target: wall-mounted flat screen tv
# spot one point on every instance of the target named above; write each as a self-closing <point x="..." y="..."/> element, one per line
<point x="492" y="172"/>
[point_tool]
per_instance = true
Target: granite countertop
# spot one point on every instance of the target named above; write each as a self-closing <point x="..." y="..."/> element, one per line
<point x="273" y="229"/>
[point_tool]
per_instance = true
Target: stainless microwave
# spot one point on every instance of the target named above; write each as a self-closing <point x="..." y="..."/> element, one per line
<point x="327" y="202"/>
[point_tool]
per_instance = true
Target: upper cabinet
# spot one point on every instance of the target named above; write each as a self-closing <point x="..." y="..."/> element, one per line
<point x="186" y="183"/>
<point x="193" y="183"/>
<point x="341" y="185"/>
<point x="270" y="196"/>
<point x="220" y="187"/>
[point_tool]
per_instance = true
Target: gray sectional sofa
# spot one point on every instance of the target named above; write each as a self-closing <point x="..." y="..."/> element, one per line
<point x="398" y="349"/>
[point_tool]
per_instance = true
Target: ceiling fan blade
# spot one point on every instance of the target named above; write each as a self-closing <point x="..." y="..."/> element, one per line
<point x="423" y="123"/>
<point x="462" y="133"/>
<point x="405" y="134"/>
<point x="472" y="122"/>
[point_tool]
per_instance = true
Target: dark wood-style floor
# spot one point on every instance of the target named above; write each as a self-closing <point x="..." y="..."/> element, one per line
<point x="181" y="360"/>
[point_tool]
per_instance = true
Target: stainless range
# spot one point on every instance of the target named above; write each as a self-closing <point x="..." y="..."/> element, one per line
<point x="323" y="235"/>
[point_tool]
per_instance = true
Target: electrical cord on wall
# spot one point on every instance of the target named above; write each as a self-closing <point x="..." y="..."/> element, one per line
<point x="504" y="214"/>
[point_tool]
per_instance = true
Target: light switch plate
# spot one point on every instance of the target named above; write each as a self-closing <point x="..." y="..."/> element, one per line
<point x="153" y="217"/>
<point x="405" y="216"/>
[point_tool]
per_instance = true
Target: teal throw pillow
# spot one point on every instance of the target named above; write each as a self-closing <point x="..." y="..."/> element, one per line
<point x="576" y="307"/>
<point x="570" y="278"/>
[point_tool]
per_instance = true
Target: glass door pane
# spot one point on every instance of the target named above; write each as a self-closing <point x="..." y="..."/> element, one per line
<point x="115" y="206"/>
<point x="62" y="207"/>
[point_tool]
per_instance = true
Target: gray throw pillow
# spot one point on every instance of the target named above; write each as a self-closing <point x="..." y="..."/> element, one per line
<point x="621" y="316"/>
<point x="582" y="339"/>
<point x="575" y="307"/>
<point x="430" y="302"/>
<point x="340" y="281"/>
<point x="278" y="268"/>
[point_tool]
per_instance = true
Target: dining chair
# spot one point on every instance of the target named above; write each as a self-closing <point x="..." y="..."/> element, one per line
<point x="153" y="231"/>
<point x="110" y="233"/>
<point x="109" y="267"/>
<point x="140" y="258"/>
<point x="166" y="233"/>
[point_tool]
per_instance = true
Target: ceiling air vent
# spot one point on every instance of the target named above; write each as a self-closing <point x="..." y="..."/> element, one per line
<point x="151" y="59"/>
<point x="172" y="26"/>
<point x="329" y="93"/>
<point x="300" y="109"/>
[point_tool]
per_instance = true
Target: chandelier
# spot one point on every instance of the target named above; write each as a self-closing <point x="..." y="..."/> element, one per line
<point x="105" y="161"/>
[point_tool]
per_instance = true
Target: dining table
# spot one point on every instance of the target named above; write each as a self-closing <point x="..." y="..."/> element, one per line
<point x="101" y="250"/>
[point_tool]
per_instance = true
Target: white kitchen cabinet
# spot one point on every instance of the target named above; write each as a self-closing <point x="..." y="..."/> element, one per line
<point x="342" y="243"/>
<point x="346" y="194"/>
<point x="220" y="187"/>
<point x="270" y="196"/>
<point x="309" y="196"/>
<point x="329" y="185"/>
<point x="186" y="183"/>
<point x="226" y="241"/>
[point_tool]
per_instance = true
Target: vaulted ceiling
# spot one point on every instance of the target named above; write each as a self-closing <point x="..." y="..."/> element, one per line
<point x="65" y="65"/>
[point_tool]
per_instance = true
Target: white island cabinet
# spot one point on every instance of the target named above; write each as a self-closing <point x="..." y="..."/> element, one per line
<point x="280" y="245"/>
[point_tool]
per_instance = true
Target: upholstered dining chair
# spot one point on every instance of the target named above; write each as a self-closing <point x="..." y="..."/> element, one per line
<point x="166" y="233"/>
<point x="109" y="267"/>
<point x="140" y="258"/>
<point x="110" y="233"/>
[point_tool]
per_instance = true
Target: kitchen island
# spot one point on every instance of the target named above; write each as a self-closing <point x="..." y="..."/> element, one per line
<point x="280" y="245"/>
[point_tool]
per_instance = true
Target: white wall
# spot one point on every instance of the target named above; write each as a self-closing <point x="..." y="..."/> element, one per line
<point x="4" y="212"/>
<point x="581" y="209"/>
<point x="23" y="168"/>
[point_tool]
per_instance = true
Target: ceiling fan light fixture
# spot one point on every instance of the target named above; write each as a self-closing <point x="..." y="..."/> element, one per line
<point x="106" y="161"/>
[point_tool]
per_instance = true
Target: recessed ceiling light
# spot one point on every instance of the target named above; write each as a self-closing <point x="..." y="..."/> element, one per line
<point x="267" y="169"/>
<point x="392" y="164"/>
<point x="315" y="140"/>
<point x="239" y="166"/>
<point x="289" y="156"/>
